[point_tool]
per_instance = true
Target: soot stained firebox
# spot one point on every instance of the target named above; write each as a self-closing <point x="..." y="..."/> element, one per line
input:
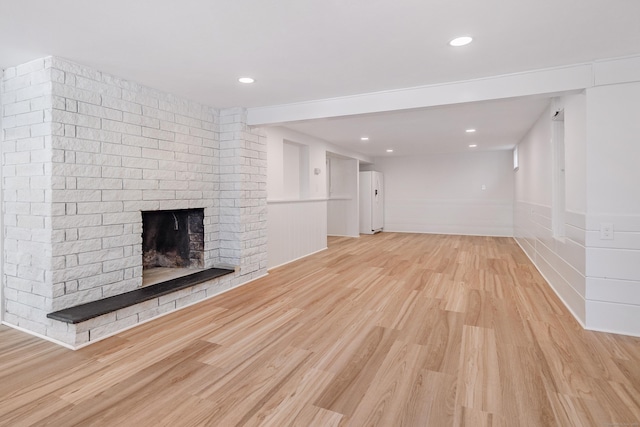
<point x="173" y="238"/>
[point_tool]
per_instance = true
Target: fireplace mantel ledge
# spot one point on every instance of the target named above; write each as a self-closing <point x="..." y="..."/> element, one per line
<point x="83" y="312"/>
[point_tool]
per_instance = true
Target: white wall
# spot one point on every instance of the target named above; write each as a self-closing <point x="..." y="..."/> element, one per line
<point x="298" y="225"/>
<point x="533" y="183"/>
<point x="295" y="229"/>
<point x="614" y="151"/>
<point x="613" y="196"/>
<point x="316" y="155"/>
<point x="1" y="199"/>
<point x="561" y="261"/>
<point x="295" y="170"/>
<point x="291" y="154"/>
<point x="342" y="204"/>
<point x="575" y="137"/>
<point x="443" y="193"/>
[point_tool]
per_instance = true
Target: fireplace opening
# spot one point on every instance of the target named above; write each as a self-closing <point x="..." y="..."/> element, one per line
<point x="172" y="244"/>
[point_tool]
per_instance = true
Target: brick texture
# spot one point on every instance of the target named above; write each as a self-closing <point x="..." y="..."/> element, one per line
<point x="84" y="154"/>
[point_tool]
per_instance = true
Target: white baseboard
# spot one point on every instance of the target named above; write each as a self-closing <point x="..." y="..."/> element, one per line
<point x="568" y="307"/>
<point x="37" y="335"/>
<point x="296" y="259"/>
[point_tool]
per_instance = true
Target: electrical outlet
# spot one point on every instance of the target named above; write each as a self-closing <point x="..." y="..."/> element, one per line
<point x="606" y="231"/>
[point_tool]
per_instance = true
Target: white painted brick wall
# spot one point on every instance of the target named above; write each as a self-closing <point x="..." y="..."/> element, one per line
<point x="241" y="229"/>
<point x="117" y="168"/>
<point x="26" y="153"/>
<point x="84" y="154"/>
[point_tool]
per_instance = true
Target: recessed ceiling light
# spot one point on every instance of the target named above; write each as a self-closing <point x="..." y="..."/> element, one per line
<point x="364" y="138"/>
<point x="246" y="80"/>
<point x="470" y="130"/>
<point x="461" y="41"/>
<point x="389" y="150"/>
<point x="473" y="145"/>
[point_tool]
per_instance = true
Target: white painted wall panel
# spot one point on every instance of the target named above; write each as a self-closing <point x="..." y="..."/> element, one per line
<point x="623" y="222"/>
<point x="340" y="217"/>
<point x="613" y="263"/>
<point x="297" y="226"/>
<point x="621" y="240"/>
<point x="563" y="268"/>
<point x="487" y="218"/>
<point x="575" y="219"/>
<point x="613" y="290"/>
<point x="528" y="247"/>
<point x="533" y="177"/>
<point x="342" y="207"/>
<point x="613" y="149"/>
<point x="567" y="293"/>
<point x="613" y="196"/>
<point x="613" y="317"/>
<point x="575" y="107"/>
<point x="573" y="253"/>
<point x="295" y="229"/>
<point x="576" y="234"/>
<point x="560" y="260"/>
<point x="292" y="164"/>
<point x="275" y="166"/>
<point x="315" y="186"/>
<point x="443" y="193"/>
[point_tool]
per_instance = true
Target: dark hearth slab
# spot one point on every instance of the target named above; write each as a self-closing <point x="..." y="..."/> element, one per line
<point x="87" y="311"/>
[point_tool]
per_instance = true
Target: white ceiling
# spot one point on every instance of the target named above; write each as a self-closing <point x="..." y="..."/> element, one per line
<point x="498" y="124"/>
<point x="304" y="50"/>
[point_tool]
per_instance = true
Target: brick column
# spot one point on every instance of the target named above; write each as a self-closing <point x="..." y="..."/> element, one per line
<point x="243" y="195"/>
<point x="27" y="187"/>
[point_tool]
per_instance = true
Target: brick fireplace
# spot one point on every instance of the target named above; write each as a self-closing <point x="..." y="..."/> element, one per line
<point x="86" y="156"/>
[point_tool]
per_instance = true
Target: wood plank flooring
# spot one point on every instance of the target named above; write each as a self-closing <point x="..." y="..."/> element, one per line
<point x="384" y="330"/>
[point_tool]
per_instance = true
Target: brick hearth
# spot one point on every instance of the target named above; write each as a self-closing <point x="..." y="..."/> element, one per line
<point x="85" y="153"/>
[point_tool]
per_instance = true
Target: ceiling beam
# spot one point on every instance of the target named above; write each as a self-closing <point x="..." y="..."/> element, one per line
<point x="537" y="82"/>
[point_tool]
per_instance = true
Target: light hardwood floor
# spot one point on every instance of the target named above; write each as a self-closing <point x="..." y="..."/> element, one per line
<point x="387" y="330"/>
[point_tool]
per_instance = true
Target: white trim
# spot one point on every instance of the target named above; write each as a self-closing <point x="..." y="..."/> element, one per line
<point x="300" y="257"/>
<point x="568" y="307"/>
<point x="37" y="335"/>
<point x="611" y="331"/>
<point x="318" y="199"/>
<point x="617" y="70"/>
<point x="614" y="318"/>
<point x="389" y="230"/>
